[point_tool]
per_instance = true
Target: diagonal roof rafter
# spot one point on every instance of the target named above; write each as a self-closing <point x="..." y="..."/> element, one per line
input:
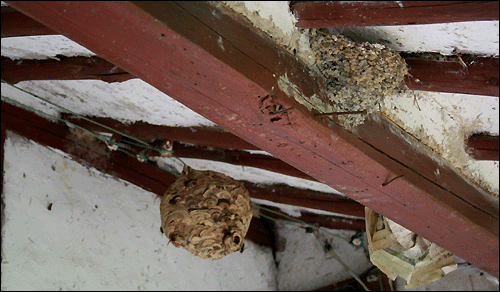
<point x="237" y="73"/>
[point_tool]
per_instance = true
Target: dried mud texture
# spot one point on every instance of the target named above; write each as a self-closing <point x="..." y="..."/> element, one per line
<point x="206" y="212"/>
<point x="357" y="76"/>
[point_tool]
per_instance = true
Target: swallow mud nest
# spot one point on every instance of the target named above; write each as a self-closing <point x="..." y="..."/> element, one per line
<point x="206" y="212"/>
<point x="357" y="76"/>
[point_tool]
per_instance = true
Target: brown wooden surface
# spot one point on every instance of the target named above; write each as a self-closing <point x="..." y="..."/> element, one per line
<point x="483" y="147"/>
<point x="455" y="74"/>
<point x="66" y="68"/>
<point x="388" y="138"/>
<point x="223" y="68"/>
<point x="149" y="177"/>
<point x="239" y="157"/>
<point x="204" y="136"/>
<point x="319" y="220"/>
<point x="96" y="154"/>
<point x="16" y="24"/>
<point x="316" y="14"/>
<point x="429" y="72"/>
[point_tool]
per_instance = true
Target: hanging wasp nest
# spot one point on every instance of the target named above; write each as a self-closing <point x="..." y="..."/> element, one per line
<point x="357" y="76"/>
<point x="206" y="212"/>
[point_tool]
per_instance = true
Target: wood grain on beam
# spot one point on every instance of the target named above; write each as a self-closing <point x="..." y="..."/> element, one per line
<point x="66" y="68"/>
<point x="483" y="147"/>
<point x="455" y="74"/>
<point x="222" y="67"/>
<point x="316" y="14"/>
<point x="15" y="24"/>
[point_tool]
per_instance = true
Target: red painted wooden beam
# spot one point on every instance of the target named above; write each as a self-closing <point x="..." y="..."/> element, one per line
<point x="455" y="74"/>
<point x="483" y="147"/>
<point x="66" y="68"/>
<point x="96" y="153"/>
<point x="205" y="136"/>
<point x="219" y="65"/>
<point x="16" y="24"/>
<point x="236" y="157"/>
<point x="316" y="14"/>
<point x="430" y="72"/>
<point x="318" y="220"/>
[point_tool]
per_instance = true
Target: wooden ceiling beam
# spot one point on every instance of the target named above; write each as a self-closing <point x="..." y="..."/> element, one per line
<point x="204" y="136"/>
<point x="215" y="62"/>
<point x="64" y="68"/>
<point x="317" y="14"/>
<point x="428" y="72"/>
<point x="15" y="24"/>
<point x="95" y="153"/>
<point x="483" y="147"/>
<point x="462" y="73"/>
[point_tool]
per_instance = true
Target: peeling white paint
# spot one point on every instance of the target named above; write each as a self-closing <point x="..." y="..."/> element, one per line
<point x="275" y="11"/>
<point x="129" y="101"/>
<point x="42" y="47"/>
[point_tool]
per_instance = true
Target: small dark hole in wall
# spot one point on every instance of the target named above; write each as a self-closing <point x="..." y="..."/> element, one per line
<point x="275" y="119"/>
<point x="162" y="34"/>
<point x="49" y="207"/>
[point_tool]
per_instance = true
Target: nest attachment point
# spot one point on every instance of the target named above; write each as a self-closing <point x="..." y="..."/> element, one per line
<point x="206" y="212"/>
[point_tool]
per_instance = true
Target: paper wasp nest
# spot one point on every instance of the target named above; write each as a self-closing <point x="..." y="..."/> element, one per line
<point x="206" y="212"/>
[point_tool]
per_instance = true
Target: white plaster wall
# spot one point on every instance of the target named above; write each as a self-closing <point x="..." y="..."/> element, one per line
<point x="129" y="101"/>
<point x="100" y="234"/>
<point x="305" y="266"/>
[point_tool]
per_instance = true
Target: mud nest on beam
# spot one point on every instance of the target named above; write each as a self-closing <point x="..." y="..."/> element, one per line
<point x="357" y="75"/>
<point x="207" y="213"/>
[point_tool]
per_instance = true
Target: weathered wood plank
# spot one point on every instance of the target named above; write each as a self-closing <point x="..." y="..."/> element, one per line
<point x="461" y="73"/>
<point x="16" y="24"/>
<point x="483" y="147"/>
<point x="316" y="14"/>
<point x="66" y="68"/>
<point x="205" y="136"/>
